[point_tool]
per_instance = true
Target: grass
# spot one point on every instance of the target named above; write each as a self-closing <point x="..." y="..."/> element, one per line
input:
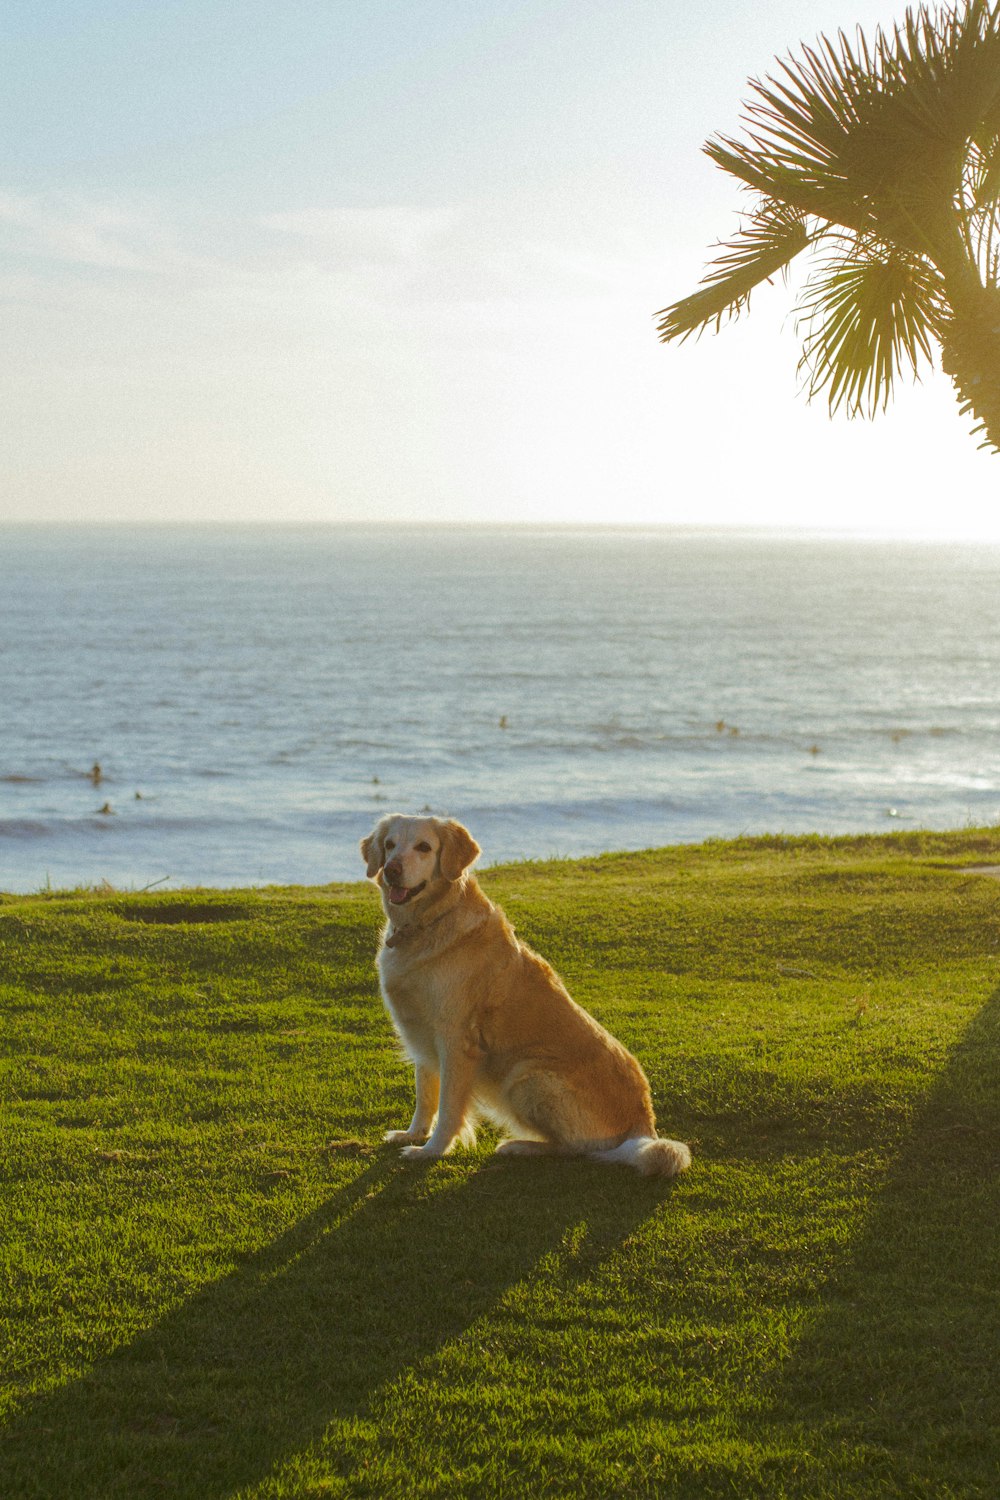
<point x="217" y="1283"/>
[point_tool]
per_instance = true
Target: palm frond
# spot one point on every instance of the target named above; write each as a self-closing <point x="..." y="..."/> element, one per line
<point x="811" y="193"/>
<point x="809" y="112"/>
<point x="983" y="175"/>
<point x="942" y="68"/>
<point x="767" y="241"/>
<point x="872" y="137"/>
<point x="800" y="128"/>
<point x="870" y="313"/>
<point x="979" y="209"/>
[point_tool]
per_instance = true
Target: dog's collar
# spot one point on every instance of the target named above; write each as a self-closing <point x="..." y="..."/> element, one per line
<point x="399" y="935"/>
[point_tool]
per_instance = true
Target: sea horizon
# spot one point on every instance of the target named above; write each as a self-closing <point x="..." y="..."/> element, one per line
<point x="778" y="531"/>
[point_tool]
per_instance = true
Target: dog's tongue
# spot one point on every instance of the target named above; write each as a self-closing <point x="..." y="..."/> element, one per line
<point x="398" y="894"/>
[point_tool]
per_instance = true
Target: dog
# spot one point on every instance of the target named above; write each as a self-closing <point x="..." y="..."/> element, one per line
<point x="488" y="1025"/>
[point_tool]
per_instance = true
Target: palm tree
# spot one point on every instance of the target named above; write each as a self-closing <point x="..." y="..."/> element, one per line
<point x="883" y="160"/>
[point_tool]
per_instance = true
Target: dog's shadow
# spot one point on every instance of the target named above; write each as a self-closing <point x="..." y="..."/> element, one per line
<point x="254" y="1368"/>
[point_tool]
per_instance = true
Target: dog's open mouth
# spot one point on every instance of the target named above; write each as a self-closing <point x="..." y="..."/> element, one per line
<point x="400" y="894"/>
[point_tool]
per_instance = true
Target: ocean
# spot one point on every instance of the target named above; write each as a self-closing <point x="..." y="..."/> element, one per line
<point x="226" y="706"/>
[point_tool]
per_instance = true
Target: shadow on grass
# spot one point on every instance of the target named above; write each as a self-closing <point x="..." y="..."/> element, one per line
<point x="894" y="1388"/>
<point x="255" y="1366"/>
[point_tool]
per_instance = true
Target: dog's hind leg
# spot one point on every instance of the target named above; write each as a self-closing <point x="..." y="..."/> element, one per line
<point x="529" y="1148"/>
<point x="542" y="1110"/>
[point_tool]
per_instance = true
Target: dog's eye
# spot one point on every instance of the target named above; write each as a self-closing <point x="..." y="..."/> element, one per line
<point x="423" y="847"/>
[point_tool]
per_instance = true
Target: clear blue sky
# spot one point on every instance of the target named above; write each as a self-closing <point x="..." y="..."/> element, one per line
<point x="363" y="261"/>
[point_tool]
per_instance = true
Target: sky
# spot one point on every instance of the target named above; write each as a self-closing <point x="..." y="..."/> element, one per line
<point x="399" y="260"/>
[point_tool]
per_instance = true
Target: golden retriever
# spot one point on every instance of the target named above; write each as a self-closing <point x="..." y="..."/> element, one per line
<point x="488" y="1025"/>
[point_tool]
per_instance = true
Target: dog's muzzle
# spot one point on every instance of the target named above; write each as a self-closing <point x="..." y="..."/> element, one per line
<point x="400" y="894"/>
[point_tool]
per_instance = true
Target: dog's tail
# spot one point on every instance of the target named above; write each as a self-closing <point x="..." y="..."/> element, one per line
<point x="649" y="1154"/>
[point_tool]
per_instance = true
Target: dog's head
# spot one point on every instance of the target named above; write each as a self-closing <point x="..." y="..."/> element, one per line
<point x="410" y="858"/>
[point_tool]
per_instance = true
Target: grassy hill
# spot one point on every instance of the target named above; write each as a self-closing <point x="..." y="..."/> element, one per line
<point x="217" y="1283"/>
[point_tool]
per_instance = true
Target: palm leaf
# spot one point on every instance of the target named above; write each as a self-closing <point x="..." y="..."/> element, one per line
<point x="984" y="175"/>
<point x="944" y="69"/>
<point x="874" y="137"/>
<point x="801" y="126"/>
<point x="871" y="312"/>
<point x="765" y="245"/>
<point x="979" y="209"/>
<point x="806" y="116"/>
<point x="822" y="196"/>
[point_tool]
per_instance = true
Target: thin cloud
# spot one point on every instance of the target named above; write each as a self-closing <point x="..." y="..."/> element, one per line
<point x="103" y="236"/>
<point x="389" y="233"/>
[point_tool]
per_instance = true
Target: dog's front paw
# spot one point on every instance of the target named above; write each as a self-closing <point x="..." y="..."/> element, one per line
<point x="402" y="1137"/>
<point x="427" y="1152"/>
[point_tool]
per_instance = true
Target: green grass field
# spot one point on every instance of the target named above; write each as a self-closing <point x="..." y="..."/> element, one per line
<point x="217" y="1283"/>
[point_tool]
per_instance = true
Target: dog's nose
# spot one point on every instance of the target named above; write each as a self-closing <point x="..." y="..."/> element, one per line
<point x="393" y="871"/>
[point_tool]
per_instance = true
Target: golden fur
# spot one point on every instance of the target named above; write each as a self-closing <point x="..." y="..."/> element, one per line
<point x="488" y="1025"/>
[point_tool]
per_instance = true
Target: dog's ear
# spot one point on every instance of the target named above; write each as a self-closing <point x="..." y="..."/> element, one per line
<point x="458" y="849"/>
<point x="373" y="848"/>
